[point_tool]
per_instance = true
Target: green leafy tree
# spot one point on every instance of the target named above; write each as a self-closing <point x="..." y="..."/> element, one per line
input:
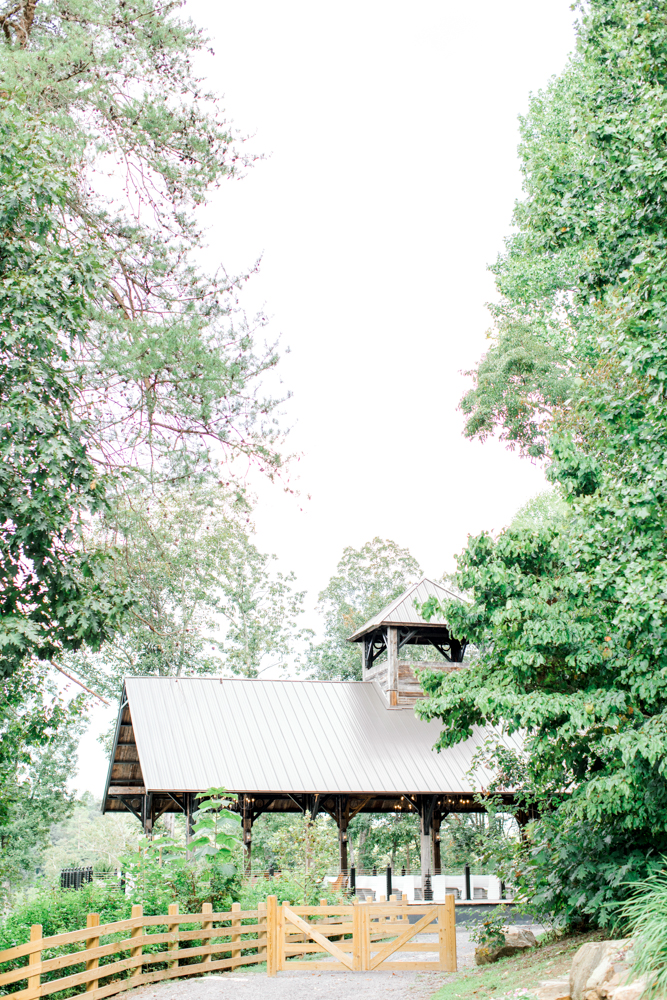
<point x="381" y="840"/>
<point x="39" y="733"/>
<point x="204" y="599"/>
<point x="118" y="358"/>
<point x="366" y="580"/>
<point x="570" y="616"/>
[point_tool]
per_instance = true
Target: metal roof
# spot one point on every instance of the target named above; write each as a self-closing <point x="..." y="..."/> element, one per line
<point x="288" y="736"/>
<point x="402" y="611"/>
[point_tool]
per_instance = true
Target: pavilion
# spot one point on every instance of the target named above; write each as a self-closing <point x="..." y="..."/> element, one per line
<point x="338" y="747"/>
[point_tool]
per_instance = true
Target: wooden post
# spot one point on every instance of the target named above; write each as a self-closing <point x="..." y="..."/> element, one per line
<point x="342" y="817"/>
<point x="392" y="665"/>
<point x="236" y="936"/>
<point x="447" y="934"/>
<point x="92" y="920"/>
<point x="282" y="935"/>
<point x="357" y="937"/>
<point x="405" y="907"/>
<point x="435" y="834"/>
<point x="207" y="925"/>
<point x="173" y="930"/>
<point x="137" y="932"/>
<point x="261" y="930"/>
<point x="271" y="935"/>
<point x="35" y="958"/>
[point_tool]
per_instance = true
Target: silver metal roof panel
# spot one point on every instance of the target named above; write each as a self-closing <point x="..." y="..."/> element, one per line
<point x="289" y="736"/>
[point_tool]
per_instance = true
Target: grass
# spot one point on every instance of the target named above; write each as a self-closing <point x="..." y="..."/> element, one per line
<point x="521" y="972"/>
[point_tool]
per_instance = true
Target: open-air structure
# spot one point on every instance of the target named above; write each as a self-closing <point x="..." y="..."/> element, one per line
<point x="339" y="747"/>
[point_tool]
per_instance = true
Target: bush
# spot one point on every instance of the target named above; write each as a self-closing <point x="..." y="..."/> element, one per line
<point x="645" y="915"/>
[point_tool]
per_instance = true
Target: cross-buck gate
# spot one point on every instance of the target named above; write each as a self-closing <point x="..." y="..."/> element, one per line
<point x="361" y="937"/>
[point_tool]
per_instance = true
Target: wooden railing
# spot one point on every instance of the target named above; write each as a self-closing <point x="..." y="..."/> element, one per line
<point x="118" y="956"/>
<point x="212" y="941"/>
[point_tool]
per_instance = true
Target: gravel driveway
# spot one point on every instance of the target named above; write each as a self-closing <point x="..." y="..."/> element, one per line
<point x="303" y="985"/>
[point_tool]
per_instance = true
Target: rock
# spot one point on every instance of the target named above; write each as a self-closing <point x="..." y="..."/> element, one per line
<point x="601" y="970"/>
<point x="515" y="941"/>
<point x="554" y="989"/>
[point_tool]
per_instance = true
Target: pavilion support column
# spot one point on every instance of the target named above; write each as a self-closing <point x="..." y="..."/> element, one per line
<point x="147" y="811"/>
<point x="435" y="833"/>
<point x="392" y="665"/>
<point x="246" y="817"/>
<point x="342" y="818"/>
<point x="427" y="809"/>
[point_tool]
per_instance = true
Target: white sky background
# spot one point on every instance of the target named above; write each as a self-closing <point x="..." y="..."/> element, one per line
<point x="390" y="131"/>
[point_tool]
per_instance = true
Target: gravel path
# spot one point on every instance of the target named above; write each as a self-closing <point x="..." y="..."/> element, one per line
<point x="304" y="985"/>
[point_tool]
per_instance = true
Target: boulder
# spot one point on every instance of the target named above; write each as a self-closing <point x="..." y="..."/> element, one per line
<point x="601" y="971"/>
<point x="515" y="941"/>
<point x="554" y="989"/>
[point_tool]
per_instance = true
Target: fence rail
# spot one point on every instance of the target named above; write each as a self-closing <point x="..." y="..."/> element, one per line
<point x="143" y="949"/>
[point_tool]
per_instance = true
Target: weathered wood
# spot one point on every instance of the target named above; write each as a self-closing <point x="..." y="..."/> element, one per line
<point x="137" y="932"/>
<point x="92" y="920"/>
<point x="392" y="665"/>
<point x="327" y="945"/>
<point x="126" y="790"/>
<point x="36" y="957"/>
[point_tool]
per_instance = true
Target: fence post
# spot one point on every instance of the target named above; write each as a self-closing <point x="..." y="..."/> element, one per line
<point x="447" y="934"/>
<point x="261" y="931"/>
<point x="466" y="875"/>
<point x="92" y="920"/>
<point x="357" y="937"/>
<point x="236" y="936"/>
<point x="173" y="929"/>
<point x="137" y="932"/>
<point x="206" y="925"/>
<point x="390" y="889"/>
<point x="282" y="935"/>
<point x="35" y="958"/>
<point x="271" y="935"/>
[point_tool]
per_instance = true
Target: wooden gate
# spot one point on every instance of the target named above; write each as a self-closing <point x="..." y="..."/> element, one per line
<point x="360" y="937"/>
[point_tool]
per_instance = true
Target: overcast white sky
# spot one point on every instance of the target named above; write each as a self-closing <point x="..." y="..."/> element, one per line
<point x="391" y="134"/>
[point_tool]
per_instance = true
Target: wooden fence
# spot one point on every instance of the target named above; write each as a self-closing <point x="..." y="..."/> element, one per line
<point x="358" y="937"/>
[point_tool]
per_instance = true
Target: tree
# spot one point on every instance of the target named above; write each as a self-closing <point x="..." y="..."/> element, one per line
<point x="118" y="358"/>
<point x="367" y="579"/>
<point x="389" y="839"/>
<point x="570" y="616"/>
<point x="39" y="733"/>
<point x="204" y="599"/>
<point x="121" y="363"/>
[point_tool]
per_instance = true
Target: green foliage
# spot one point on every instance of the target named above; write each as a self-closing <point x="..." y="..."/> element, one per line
<point x="88" y="838"/>
<point x="490" y="930"/>
<point x="118" y="359"/>
<point x="386" y="839"/>
<point x="204" y="599"/>
<point x="38" y="740"/>
<point x="569" y="615"/>
<point x="366" y="580"/>
<point x="645" y="919"/>
<point x="61" y="910"/>
<point x="216" y="829"/>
